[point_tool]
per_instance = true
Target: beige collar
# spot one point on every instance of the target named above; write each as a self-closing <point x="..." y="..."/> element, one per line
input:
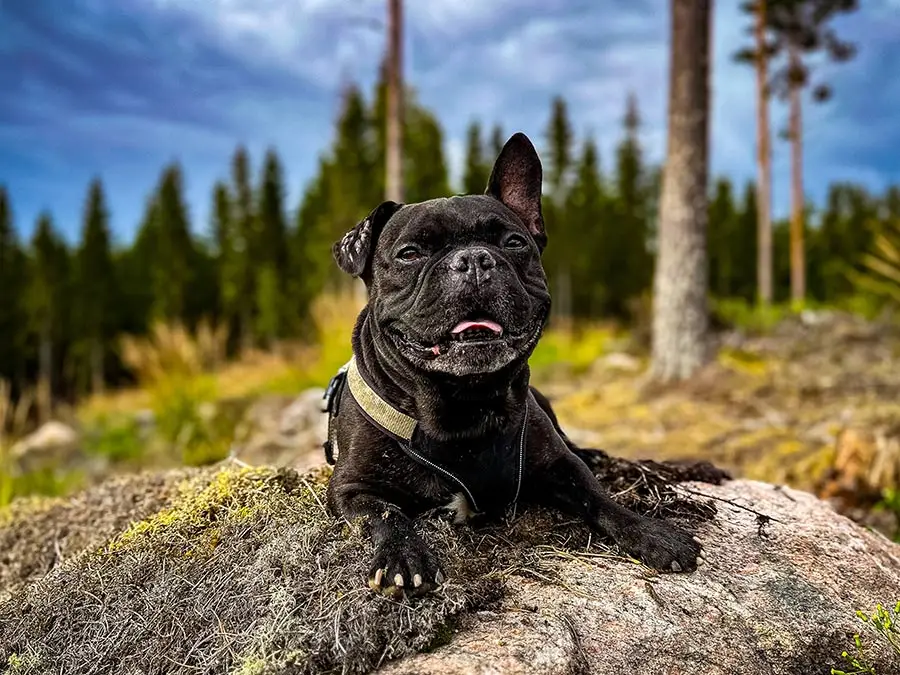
<point x="380" y="411"/>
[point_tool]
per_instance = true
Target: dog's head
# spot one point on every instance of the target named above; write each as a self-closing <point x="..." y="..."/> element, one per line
<point x="456" y="284"/>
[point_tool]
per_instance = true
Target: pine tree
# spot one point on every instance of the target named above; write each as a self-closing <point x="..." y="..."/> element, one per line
<point x="96" y="285"/>
<point x="759" y="55"/>
<point x="47" y="303"/>
<point x="12" y="310"/>
<point x="173" y="275"/>
<point x="680" y="316"/>
<point x="800" y="28"/>
<point x="476" y="170"/>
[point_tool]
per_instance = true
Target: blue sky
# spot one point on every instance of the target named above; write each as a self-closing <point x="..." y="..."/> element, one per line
<point x="117" y="88"/>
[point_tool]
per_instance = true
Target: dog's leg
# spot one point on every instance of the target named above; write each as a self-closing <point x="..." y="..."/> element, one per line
<point x="566" y="483"/>
<point x="402" y="562"/>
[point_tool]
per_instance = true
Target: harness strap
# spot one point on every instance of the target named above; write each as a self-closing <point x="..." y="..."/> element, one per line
<point x="397" y="424"/>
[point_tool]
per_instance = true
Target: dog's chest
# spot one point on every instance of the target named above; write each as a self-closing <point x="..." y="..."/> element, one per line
<point x="484" y="479"/>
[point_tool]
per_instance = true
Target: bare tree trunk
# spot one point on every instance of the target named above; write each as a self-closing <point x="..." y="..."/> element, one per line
<point x="764" y="182"/>
<point x="798" y="262"/>
<point x="45" y="377"/>
<point x="97" y="383"/>
<point x="680" y="315"/>
<point x="394" y="154"/>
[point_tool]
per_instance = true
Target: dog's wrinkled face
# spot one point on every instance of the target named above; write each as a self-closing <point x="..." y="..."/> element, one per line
<point x="456" y="284"/>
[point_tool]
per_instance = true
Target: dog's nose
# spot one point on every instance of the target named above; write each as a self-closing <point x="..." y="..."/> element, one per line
<point x="473" y="261"/>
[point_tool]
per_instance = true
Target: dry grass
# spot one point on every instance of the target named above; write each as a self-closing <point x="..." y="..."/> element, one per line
<point x="773" y="407"/>
<point x="13" y="423"/>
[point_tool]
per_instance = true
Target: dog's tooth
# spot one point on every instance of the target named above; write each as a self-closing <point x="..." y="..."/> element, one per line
<point x="417" y="580"/>
<point x="378" y="575"/>
<point x="398" y="580"/>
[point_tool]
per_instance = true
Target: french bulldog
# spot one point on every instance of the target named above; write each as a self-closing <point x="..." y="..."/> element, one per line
<point x="457" y="301"/>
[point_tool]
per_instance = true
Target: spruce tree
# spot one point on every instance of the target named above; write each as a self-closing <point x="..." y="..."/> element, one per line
<point x="227" y="257"/>
<point x="173" y="274"/>
<point x="96" y="286"/>
<point x="427" y="175"/>
<point x="560" y="140"/>
<point x="311" y="240"/>
<point x="744" y="245"/>
<point x="498" y="140"/>
<point x="631" y="265"/>
<point x="723" y="224"/>
<point x="586" y="212"/>
<point x="246" y="243"/>
<point x="476" y="169"/>
<point x="12" y="285"/>
<point x="47" y="303"/>
<point x="272" y="274"/>
<point x="135" y="273"/>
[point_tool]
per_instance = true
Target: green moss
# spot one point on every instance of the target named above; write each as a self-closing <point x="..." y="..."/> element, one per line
<point x="233" y="495"/>
<point x="442" y="636"/>
<point x="22" y="664"/>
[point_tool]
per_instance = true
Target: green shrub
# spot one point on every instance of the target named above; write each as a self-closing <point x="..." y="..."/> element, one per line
<point x="883" y="625"/>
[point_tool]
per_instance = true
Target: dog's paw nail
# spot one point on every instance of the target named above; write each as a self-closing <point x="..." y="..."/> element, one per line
<point x="701" y="561"/>
<point x="439" y="578"/>
<point x="398" y="580"/>
<point x="675" y="566"/>
<point x="378" y="575"/>
<point x="697" y="540"/>
<point x="417" y="580"/>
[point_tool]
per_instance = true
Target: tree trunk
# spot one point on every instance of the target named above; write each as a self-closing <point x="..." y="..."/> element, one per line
<point x="45" y="377"/>
<point x="798" y="263"/>
<point x="680" y="317"/>
<point x="764" y="182"/>
<point x="394" y="154"/>
<point x="97" y="383"/>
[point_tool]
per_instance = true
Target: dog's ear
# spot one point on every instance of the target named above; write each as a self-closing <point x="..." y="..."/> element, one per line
<point x="353" y="253"/>
<point x="516" y="181"/>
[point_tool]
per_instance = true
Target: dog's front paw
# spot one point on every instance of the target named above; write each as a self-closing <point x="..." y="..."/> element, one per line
<point x="661" y="545"/>
<point x="404" y="565"/>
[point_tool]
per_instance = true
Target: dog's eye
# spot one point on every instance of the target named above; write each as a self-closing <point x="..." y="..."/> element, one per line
<point x="515" y="241"/>
<point x="409" y="254"/>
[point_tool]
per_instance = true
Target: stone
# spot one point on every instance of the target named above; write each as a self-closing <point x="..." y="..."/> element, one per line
<point x="53" y="444"/>
<point x="778" y="599"/>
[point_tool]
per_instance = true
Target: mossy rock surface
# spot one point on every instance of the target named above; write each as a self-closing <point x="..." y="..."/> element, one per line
<point x="242" y="570"/>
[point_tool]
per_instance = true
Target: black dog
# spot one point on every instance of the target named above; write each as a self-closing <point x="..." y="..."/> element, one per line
<point x="439" y="410"/>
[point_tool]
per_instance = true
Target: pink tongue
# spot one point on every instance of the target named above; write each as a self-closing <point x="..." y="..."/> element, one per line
<point x="465" y="325"/>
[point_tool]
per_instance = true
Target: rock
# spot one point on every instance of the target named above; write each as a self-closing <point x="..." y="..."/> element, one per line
<point x="284" y="431"/>
<point x="620" y="361"/>
<point x="271" y="584"/>
<point x="53" y="445"/>
<point x="779" y="599"/>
